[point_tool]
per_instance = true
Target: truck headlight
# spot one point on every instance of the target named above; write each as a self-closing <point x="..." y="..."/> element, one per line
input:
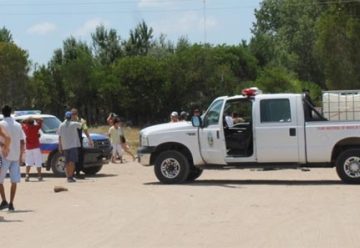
<point x="85" y="142"/>
<point x="144" y="140"/>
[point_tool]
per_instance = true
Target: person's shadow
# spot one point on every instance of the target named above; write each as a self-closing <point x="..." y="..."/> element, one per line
<point x="2" y="218"/>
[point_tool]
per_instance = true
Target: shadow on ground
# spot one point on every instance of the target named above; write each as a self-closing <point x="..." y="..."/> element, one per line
<point x="226" y="183"/>
<point x="33" y="175"/>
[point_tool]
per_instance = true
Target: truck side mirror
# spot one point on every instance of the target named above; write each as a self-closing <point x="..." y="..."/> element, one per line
<point x="196" y="121"/>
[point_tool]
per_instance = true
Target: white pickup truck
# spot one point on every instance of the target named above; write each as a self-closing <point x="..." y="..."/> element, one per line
<point x="274" y="131"/>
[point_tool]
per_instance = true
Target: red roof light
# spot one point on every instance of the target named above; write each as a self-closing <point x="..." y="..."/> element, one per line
<point x="251" y="91"/>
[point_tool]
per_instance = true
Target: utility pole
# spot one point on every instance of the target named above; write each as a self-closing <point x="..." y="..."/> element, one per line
<point x="204" y="14"/>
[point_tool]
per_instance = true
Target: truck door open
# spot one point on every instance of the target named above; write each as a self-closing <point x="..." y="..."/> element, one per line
<point x="211" y="136"/>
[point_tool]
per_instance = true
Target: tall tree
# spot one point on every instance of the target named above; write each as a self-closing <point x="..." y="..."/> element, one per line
<point x="338" y="45"/>
<point x="5" y="35"/>
<point x="140" y="40"/>
<point x="107" y="45"/>
<point x="13" y="74"/>
<point x="285" y="36"/>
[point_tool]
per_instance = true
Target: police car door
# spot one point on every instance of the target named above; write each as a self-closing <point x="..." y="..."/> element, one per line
<point x="212" y="141"/>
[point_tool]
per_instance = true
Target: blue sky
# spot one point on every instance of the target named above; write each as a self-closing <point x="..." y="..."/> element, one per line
<point x="40" y="26"/>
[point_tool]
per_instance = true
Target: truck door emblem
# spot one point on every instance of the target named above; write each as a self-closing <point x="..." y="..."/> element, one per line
<point x="210" y="139"/>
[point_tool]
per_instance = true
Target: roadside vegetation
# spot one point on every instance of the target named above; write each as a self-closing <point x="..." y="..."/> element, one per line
<point x="312" y="44"/>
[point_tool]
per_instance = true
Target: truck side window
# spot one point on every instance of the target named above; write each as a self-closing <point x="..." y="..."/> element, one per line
<point x="213" y="114"/>
<point x="275" y="110"/>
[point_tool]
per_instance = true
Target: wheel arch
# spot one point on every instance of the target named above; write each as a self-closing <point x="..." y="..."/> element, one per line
<point x="172" y="146"/>
<point x="344" y="144"/>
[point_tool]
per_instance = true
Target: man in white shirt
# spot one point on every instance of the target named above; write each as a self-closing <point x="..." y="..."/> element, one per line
<point x="11" y="161"/>
<point x="229" y="120"/>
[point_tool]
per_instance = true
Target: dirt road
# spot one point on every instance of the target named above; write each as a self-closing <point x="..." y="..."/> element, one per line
<point x="125" y="206"/>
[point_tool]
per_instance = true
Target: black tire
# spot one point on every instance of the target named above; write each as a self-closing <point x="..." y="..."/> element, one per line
<point x="57" y="163"/>
<point x="348" y="166"/>
<point x="194" y="174"/>
<point x="171" y="167"/>
<point x="90" y="171"/>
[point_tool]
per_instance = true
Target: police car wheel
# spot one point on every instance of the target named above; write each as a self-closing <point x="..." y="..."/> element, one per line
<point x="92" y="170"/>
<point x="58" y="164"/>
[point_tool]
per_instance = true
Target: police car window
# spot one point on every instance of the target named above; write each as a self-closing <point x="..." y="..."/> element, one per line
<point x="213" y="114"/>
<point x="275" y="110"/>
<point x="50" y="125"/>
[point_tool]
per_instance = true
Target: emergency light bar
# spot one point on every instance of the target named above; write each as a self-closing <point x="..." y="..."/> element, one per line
<point x="249" y="92"/>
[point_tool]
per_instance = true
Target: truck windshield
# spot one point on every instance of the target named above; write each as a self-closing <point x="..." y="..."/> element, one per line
<point x="50" y="125"/>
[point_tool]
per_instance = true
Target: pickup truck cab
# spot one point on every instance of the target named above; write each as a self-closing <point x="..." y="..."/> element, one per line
<point x="276" y="131"/>
<point x="94" y="157"/>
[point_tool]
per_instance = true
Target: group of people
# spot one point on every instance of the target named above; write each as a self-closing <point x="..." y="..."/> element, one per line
<point x="175" y="117"/>
<point x="117" y="138"/>
<point x="17" y="139"/>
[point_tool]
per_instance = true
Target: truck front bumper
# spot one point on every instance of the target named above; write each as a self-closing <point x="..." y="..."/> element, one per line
<point x="144" y="155"/>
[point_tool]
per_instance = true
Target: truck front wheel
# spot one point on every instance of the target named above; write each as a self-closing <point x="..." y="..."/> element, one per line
<point x="194" y="174"/>
<point x="171" y="167"/>
<point x="348" y="166"/>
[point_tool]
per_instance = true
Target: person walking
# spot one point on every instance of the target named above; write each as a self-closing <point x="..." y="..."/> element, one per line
<point x="69" y="144"/>
<point x="115" y="139"/>
<point x="11" y="161"/>
<point x="124" y="145"/>
<point x="33" y="155"/>
<point x="84" y="128"/>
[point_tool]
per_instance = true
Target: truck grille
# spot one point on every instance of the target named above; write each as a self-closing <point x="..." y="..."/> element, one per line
<point x="102" y="144"/>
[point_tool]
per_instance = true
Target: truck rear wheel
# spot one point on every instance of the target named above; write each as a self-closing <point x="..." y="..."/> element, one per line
<point x="171" y="167"/>
<point x="348" y="166"/>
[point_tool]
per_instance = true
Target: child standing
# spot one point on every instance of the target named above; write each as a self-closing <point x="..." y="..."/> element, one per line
<point x="114" y="135"/>
<point x="124" y="145"/>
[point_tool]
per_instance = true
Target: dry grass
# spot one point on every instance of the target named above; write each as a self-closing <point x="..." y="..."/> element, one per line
<point x="131" y="134"/>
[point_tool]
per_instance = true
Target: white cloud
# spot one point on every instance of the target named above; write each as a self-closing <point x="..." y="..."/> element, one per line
<point x="90" y="26"/>
<point x="42" y="28"/>
<point x="186" y="23"/>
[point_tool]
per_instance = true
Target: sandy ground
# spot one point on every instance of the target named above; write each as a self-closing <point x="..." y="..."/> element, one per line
<point x="125" y="206"/>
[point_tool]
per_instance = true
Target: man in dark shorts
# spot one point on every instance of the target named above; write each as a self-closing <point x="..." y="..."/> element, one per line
<point x="69" y="144"/>
<point x="84" y="128"/>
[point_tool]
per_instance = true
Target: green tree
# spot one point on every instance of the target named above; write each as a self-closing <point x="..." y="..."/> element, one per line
<point x="140" y="83"/>
<point x="13" y="74"/>
<point x="5" y="35"/>
<point x="140" y="40"/>
<point x="107" y="45"/>
<point x="285" y="36"/>
<point x="337" y="45"/>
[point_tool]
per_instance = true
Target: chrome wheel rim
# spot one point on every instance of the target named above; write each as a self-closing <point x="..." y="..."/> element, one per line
<point x="352" y="167"/>
<point x="60" y="164"/>
<point x="170" y="168"/>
